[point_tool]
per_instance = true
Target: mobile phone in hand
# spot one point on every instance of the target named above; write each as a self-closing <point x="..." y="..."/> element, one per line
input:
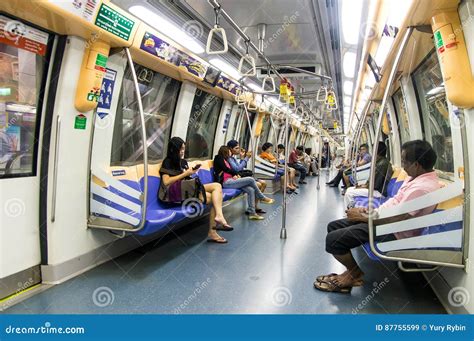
<point x="197" y="166"/>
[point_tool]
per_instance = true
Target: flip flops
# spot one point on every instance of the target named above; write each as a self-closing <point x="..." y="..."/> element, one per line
<point x="219" y="240"/>
<point x="330" y="279"/>
<point x="331" y="286"/>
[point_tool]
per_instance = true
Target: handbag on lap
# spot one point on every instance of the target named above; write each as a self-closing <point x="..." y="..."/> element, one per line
<point x="181" y="190"/>
<point x="245" y="173"/>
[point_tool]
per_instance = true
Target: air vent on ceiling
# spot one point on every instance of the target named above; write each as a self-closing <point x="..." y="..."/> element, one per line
<point x="290" y="73"/>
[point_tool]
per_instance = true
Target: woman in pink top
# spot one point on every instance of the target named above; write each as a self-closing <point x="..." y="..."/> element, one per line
<point x="418" y="160"/>
<point x="229" y="178"/>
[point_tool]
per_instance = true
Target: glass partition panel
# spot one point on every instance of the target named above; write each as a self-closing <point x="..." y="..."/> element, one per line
<point x="202" y="125"/>
<point x="402" y="116"/>
<point x="159" y="94"/>
<point x="244" y="138"/>
<point x="433" y="106"/>
<point x="21" y="77"/>
<point x="265" y="133"/>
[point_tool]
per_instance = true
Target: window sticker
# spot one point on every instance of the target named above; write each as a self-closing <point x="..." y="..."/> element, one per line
<point x="19" y="35"/>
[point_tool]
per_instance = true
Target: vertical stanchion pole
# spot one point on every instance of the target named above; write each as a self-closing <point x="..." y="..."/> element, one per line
<point x="283" y="222"/>
<point x="320" y="157"/>
<point x="252" y="137"/>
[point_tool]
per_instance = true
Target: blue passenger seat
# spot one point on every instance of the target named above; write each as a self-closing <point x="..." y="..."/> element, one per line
<point x="158" y="214"/>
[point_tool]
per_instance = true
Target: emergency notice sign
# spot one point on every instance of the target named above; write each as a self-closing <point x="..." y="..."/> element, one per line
<point x="19" y="35"/>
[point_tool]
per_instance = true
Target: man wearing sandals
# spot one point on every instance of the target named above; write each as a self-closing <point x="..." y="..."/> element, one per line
<point x="418" y="159"/>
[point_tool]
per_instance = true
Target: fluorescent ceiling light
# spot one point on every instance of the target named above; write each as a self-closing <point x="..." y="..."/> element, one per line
<point x="348" y="85"/>
<point x="383" y="50"/>
<point x="398" y="11"/>
<point x="349" y="64"/>
<point x="351" y="15"/>
<point x="167" y="28"/>
<point x="370" y="80"/>
<point x="347" y="100"/>
<point x="226" y="68"/>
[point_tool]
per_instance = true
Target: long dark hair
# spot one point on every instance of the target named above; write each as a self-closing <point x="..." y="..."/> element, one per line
<point x="174" y="146"/>
<point x="224" y="151"/>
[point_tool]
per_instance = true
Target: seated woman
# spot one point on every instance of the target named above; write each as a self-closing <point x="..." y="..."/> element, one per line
<point x="241" y="164"/>
<point x="175" y="162"/>
<point x="267" y="154"/>
<point x="230" y="179"/>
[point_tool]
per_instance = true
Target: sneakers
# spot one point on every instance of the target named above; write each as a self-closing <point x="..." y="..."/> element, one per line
<point x="255" y="217"/>
<point x="302" y="182"/>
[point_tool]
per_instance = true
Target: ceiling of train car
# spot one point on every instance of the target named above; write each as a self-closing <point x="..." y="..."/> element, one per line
<point x="298" y="33"/>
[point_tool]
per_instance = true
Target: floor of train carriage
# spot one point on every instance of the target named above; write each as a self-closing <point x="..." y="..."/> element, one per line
<point x="256" y="272"/>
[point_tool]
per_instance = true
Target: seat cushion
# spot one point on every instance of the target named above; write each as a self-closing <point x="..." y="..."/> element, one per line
<point x="364" y="201"/>
<point x="230" y="193"/>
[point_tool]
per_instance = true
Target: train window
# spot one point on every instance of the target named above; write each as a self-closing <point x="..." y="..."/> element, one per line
<point x="402" y="115"/>
<point x="159" y="94"/>
<point x="22" y="77"/>
<point x="202" y="125"/>
<point x="265" y="133"/>
<point x="244" y="138"/>
<point x="232" y="131"/>
<point x="432" y="100"/>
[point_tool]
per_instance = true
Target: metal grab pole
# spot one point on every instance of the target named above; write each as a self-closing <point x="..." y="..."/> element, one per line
<point x="252" y="137"/>
<point x="145" y="153"/>
<point x="275" y="136"/>
<point x="375" y="148"/>
<point x="320" y="154"/>
<point x="283" y="234"/>
<point x="357" y="138"/>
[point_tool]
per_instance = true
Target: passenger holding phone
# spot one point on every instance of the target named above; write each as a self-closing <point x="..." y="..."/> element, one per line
<point x="175" y="161"/>
<point x="229" y="178"/>
<point x="240" y="166"/>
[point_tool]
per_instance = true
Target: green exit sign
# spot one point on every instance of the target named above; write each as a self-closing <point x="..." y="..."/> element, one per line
<point x="114" y="22"/>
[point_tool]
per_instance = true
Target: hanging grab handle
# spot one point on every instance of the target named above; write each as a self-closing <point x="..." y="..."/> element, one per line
<point x="217" y="30"/>
<point x="252" y="104"/>
<point x="268" y="79"/>
<point x="247" y="59"/>
<point x="322" y="95"/>
<point x="240" y="96"/>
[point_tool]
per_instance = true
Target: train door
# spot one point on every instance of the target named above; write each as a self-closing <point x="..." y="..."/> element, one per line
<point x="24" y="76"/>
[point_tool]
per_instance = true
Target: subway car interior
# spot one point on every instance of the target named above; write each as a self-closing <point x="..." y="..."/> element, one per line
<point x="236" y="157"/>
